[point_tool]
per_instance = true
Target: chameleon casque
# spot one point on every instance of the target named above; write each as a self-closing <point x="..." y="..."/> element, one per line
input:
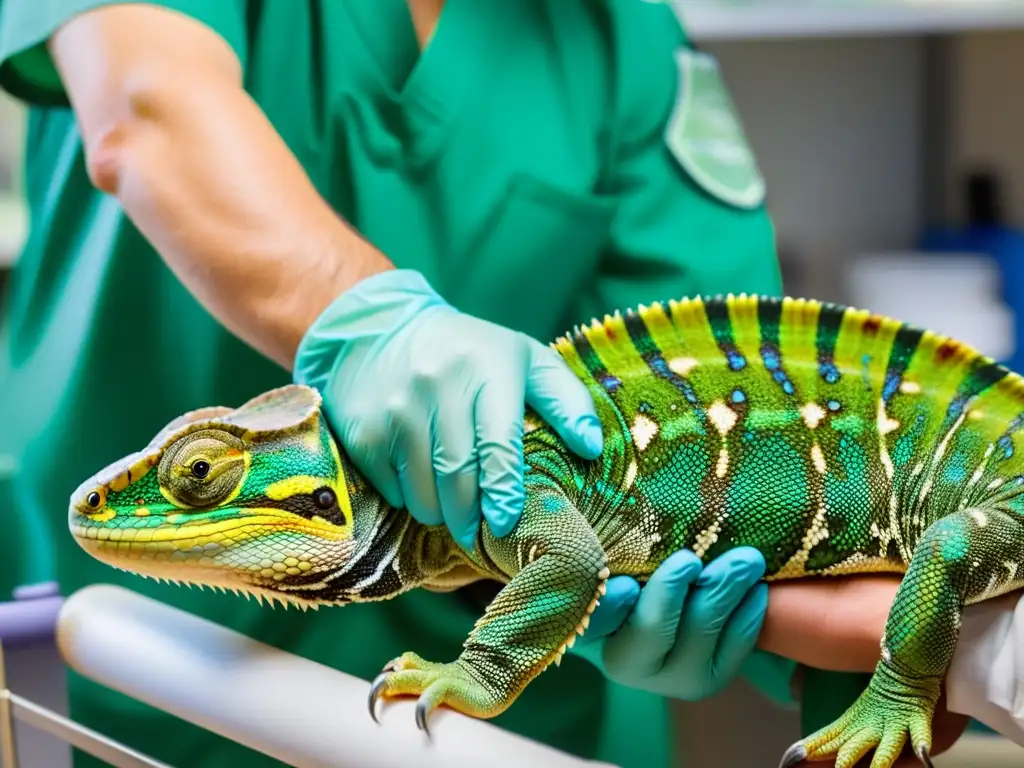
<point x="834" y="440"/>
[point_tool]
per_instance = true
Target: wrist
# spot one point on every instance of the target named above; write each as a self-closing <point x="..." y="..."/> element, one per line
<point x="373" y="307"/>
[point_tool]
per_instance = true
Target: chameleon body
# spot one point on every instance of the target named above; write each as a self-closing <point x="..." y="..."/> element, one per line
<point x="833" y="440"/>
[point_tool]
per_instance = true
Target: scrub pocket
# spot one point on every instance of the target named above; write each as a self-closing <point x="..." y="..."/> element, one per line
<point x="535" y="254"/>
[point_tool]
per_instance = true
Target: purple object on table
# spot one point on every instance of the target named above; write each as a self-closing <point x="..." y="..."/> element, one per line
<point x="32" y="615"/>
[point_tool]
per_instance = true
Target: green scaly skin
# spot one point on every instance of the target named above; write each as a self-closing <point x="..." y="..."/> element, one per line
<point x="832" y="440"/>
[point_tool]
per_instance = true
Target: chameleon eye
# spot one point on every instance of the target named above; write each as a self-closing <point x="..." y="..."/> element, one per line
<point x="94" y="500"/>
<point x="324" y="498"/>
<point x="203" y="468"/>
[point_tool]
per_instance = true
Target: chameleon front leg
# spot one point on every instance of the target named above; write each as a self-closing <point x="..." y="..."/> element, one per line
<point x="968" y="556"/>
<point x="558" y="572"/>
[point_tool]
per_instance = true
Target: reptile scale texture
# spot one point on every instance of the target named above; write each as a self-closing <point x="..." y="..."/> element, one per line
<point x="834" y="440"/>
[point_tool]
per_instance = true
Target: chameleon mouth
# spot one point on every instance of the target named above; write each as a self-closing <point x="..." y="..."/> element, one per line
<point x="182" y="528"/>
<point x="265" y="580"/>
<point x="258" y="553"/>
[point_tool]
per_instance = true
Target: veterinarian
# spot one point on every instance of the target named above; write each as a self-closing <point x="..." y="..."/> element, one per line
<point x="399" y="204"/>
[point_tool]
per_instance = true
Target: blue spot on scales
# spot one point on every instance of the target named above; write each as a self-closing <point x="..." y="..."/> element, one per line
<point x="1006" y="445"/>
<point x="829" y="372"/>
<point x="660" y="367"/>
<point x="892" y="381"/>
<point x="956" y="408"/>
<point x="774" y="364"/>
<point x="955" y="474"/>
<point x="610" y="383"/>
<point x="738" y="396"/>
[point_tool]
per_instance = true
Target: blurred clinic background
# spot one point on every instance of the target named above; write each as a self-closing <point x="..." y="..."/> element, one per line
<point x="891" y="134"/>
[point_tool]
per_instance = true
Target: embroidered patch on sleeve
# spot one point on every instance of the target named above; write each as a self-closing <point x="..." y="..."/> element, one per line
<point x="705" y="135"/>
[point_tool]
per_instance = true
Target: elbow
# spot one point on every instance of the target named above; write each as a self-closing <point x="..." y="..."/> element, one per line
<point x="139" y="126"/>
<point x="134" y="76"/>
<point x="105" y="157"/>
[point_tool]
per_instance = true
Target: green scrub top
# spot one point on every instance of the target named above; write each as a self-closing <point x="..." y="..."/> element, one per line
<point x="533" y="163"/>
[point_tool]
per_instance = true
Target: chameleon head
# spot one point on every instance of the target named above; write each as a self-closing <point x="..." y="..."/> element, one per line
<point x="253" y="499"/>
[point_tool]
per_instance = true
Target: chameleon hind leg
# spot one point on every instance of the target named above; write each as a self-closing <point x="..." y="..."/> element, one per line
<point x="968" y="556"/>
<point x="558" y="574"/>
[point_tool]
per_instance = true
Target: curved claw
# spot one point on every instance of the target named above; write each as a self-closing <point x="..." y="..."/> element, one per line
<point x="924" y="755"/>
<point x="795" y="755"/>
<point x="375" y="690"/>
<point x="422" y="711"/>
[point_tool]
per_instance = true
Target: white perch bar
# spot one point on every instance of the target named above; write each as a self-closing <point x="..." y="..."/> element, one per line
<point x="298" y="711"/>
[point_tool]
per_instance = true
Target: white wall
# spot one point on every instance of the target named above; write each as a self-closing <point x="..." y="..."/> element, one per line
<point x="838" y="127"/>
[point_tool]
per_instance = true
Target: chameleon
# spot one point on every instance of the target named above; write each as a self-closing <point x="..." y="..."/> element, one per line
<point x="834" y="440"/>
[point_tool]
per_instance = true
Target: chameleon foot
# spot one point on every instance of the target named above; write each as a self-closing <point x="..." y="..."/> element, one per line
<point x="435" y="684"/>
<point x="884" y="716"/>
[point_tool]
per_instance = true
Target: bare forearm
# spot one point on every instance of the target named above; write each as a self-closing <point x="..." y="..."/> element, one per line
<point x="232" y="214"/>
<point x="205" y="177"/>
<point x="833" y="624"/>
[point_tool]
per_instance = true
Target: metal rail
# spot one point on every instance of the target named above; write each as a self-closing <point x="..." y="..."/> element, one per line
<point x="86" y="739"/>
<point x="29" y="621"/>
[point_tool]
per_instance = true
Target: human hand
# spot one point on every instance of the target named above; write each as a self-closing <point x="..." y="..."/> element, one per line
<point x="837" y="625"/>
<point x="687" y="632"/>
<point x="428" y="401"/>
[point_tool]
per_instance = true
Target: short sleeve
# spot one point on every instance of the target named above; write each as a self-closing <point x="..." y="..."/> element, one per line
<point x="675" y="231"/>
<point x="27" y="71"/>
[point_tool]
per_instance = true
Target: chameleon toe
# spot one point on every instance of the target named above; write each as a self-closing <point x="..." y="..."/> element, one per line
<point x="924" y="755"/>
<point x="793" y="756"/>
<point x="376" y="688"/>
<point x="422" y="711"/>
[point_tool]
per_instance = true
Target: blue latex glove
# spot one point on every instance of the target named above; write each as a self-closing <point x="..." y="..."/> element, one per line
<point x="686" y="634"/>
<point x="428" y="401"/>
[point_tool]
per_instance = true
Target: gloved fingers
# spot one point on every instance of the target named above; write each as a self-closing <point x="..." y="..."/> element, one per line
<point x="739" y="636"/>
<point x="562" y="400"/>
<point x="373" y="461"/>
<point x="381" y="476"/>
<point x="498" y="411"/>
<point x="719" y="590"/>
<point x="612" y="610"/>
<point x="460" y="504"/>
<point x="412" y="453"/>
<point x="641" y="645"/>
<point x="456" y="463"/>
